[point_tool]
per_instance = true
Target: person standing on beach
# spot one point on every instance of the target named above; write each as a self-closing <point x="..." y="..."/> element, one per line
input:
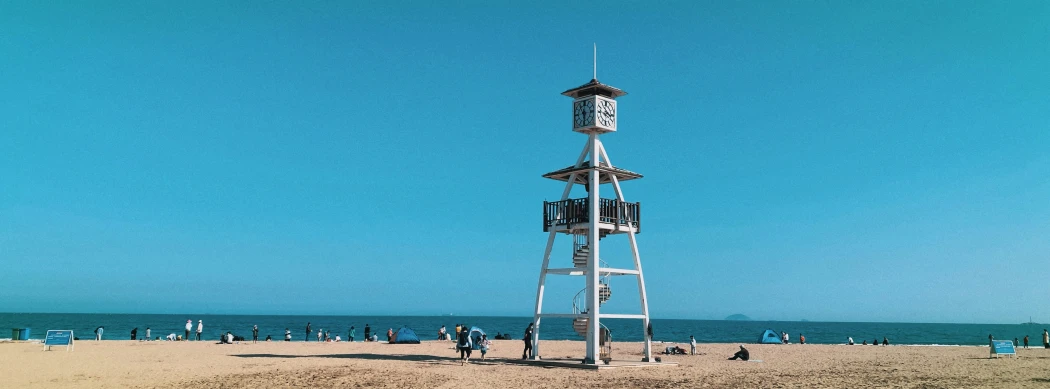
<point x="368" y="332"/>
<point x="147" y="334"/>
<point x="352" y="333"/>
<point x="189" y="327"/>
<point x="464" y="346"/>
<point x="648" y="330"/>
<point x="134" y="332"/>
<point x="527" y="353"/>
<point x="200" y="328"/>
<point x="1026" y="341"/>
<point x="1046" y="338"/>
<point x="801" y="339"/>
<point x="307" y="339"/>
<point x="255" y="334"/>
<point x="319" y="333"/>
<point x="692" y="345"/>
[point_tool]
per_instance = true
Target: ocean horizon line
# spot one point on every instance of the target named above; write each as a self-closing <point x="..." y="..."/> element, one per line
<point x="752" y="320"/>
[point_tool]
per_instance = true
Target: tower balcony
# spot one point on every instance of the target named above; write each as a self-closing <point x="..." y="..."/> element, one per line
<point x="572" y="216"/>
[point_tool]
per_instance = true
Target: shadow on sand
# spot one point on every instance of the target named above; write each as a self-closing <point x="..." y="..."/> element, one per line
<point x="381" y="357"/>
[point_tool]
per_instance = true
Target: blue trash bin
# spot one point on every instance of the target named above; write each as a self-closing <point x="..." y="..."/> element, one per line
<point x="19" y="334"/>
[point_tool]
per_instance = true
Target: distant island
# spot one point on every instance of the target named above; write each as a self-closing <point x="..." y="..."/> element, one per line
<point x="738" y="317"/>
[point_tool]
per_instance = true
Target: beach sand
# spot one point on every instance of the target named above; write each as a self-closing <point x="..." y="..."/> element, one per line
<point x="434" y="364"/>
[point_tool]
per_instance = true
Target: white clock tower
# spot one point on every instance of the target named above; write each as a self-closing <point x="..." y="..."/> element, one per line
<point x="588" y="220"/>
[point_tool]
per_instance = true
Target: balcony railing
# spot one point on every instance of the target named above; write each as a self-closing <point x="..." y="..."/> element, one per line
<point x="575" y="211"/>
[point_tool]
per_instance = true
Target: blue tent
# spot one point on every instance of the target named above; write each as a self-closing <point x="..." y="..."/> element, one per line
<point x="405" y="336"/>
<point x="770" y="337"/>
<point x="475" y="337"/>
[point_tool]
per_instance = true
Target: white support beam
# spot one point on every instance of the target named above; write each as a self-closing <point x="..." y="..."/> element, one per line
<point x="562" y="315"/>
<point x="648" y="350"/>
<point x="604" y="271"/>
<point x="571" y="271"/>
<point x="587" y="149"/>
<point x="621" y="316"/>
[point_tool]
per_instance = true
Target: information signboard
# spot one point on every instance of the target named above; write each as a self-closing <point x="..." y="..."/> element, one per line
<point x="1002" y="347"/>
<point x="58" y="338"/>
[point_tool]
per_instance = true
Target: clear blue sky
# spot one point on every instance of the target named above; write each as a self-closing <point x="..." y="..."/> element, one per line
<point x="858" y="161"/>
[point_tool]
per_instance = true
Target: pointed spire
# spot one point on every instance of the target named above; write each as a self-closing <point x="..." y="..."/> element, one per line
<point x="595" y="61"/>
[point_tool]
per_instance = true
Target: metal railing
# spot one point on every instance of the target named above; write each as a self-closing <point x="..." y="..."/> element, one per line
<point x="576" y="211"/>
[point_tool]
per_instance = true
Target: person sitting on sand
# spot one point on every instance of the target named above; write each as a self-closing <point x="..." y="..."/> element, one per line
<point x="742" y="354"/>
<point x="885" y="342"/>
<point x="287" y="335"/>
<point x="875" y="342"/>
<point x="171" y="337"/>
<point x="441" y="333"/>
<point x="389" y="335"/>
<point x="268" y="338"/>
<point x="864" y="343"/>
<point x="338" y="339"/>
<point x="849" y="340"/>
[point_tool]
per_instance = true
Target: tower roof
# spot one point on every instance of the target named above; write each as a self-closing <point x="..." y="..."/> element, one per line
<point x="594" y="88"/>
<point x="604" y="173"/>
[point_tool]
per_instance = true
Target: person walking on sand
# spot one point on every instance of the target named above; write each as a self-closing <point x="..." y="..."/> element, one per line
<point x="255" y="334"/>
<point x="464" y="346"/>
<point x="1025" y="341"/>
<point x="308" y="332"/>
<point x="350" y="336"/>
<point x="692" y="345"/>
<point x="527" y="353"/>
<point x="484" y="345"/>
<point x="200" y="328"/>
<point x="1046" y="338"/>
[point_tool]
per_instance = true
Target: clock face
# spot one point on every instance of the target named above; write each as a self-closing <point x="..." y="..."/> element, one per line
<point x="607" y="114"/>
<point x="583" y="113"/>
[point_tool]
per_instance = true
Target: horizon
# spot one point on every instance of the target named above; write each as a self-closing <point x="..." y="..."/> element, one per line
<point x="843" y="162"/>
<point x="750" y="319"/>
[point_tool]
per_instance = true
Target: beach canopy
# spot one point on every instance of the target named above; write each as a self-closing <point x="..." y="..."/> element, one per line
<point x="405" y="336"/>
<point x="769" y="337"/>
<point x="475" y="337"/>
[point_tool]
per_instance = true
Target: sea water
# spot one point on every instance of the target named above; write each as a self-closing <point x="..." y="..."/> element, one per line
<point x="118" y="327"/>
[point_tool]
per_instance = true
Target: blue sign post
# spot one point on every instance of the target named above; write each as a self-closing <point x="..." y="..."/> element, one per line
<point x="1002" y="347"/>
<point x="58" y="338"/>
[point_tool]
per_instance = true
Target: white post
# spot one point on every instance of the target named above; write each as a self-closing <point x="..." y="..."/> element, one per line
<point x="593" y="213"/>
<point x="547" y="256"/>
<point x="648" y="357"/>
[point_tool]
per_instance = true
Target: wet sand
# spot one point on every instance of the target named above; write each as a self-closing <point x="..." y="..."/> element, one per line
<point x="435" y="364"/>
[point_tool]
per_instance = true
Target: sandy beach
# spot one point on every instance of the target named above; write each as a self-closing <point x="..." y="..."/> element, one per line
<point x="434" y="364"/>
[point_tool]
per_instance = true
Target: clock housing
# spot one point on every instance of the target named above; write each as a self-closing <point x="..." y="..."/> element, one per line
<point x="594" y="114"/>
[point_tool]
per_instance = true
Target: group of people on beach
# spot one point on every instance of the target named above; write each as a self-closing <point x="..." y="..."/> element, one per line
<point x="875" y="342"/>
<point x="1046" y="340"/>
